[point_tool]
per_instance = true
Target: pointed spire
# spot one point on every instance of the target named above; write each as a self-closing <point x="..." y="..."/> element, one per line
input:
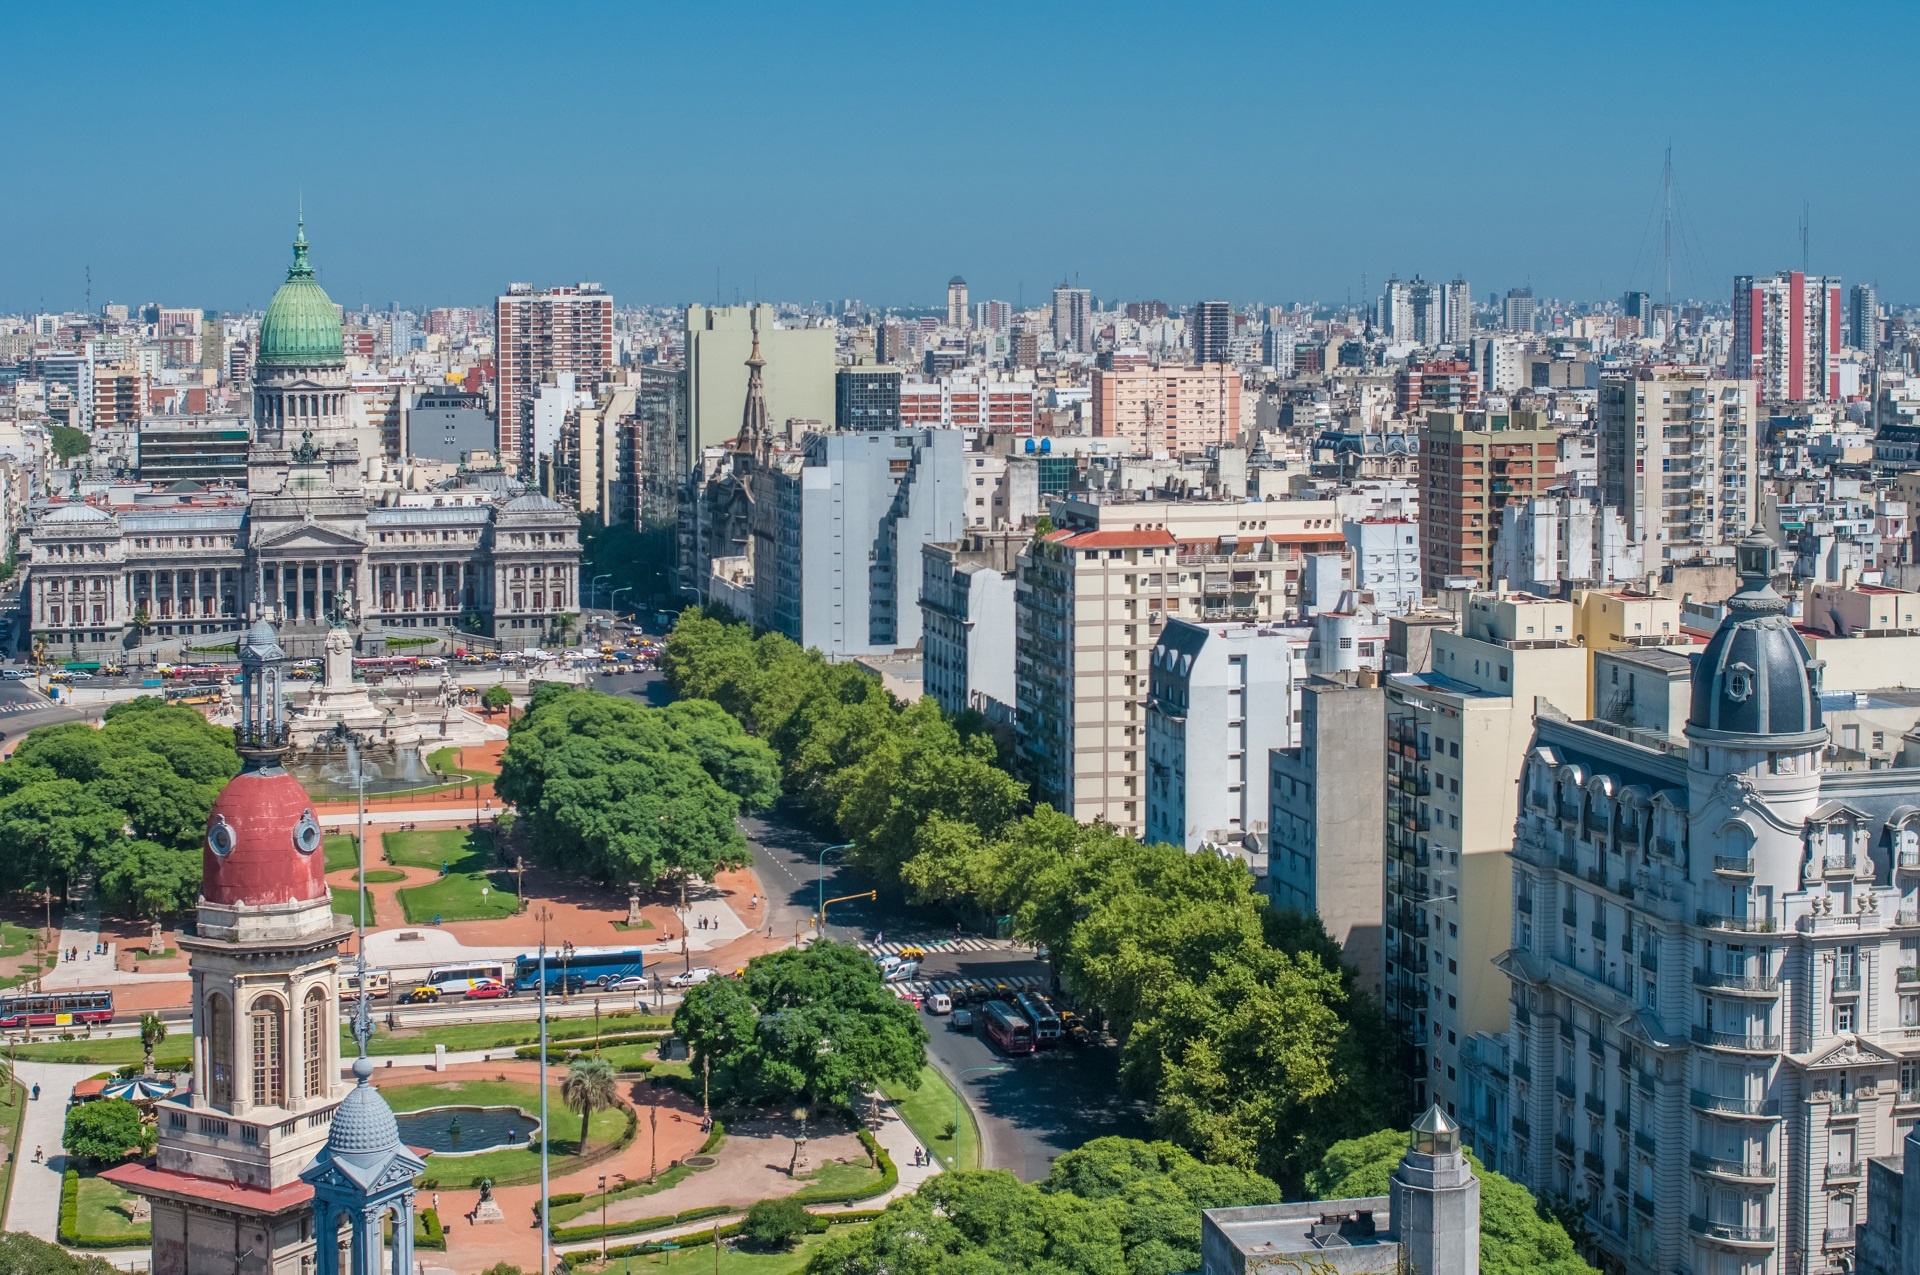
<point x="301" y="268"/>
<point x="755" y="431"/>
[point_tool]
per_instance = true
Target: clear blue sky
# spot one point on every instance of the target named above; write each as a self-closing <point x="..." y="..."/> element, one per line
<point x="1263" y="152"/>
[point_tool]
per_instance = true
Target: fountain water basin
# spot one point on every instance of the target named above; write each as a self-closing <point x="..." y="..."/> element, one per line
<point x="466" y="1130"/>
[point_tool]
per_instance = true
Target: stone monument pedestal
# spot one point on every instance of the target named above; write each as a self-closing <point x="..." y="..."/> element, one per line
<point x="488" y="1210"/>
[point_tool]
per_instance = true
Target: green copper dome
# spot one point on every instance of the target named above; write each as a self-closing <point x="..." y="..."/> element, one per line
<point x="302" y="329"/>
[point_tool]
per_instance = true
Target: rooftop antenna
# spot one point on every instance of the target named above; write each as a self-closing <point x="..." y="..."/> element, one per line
<point x="1666" y="226"/>
<point x="1803" y="237"/>
<point x="89" y="289"/>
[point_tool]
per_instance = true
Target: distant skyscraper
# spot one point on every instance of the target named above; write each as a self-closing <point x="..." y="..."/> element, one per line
<point x="956" y="302"/>
<point x="1786" y="335"/>
<point x="1458" y="317"/>
<point x="1428" y="304"/>
<point x="993" y="316"/>
<point x="1212" y="324"/>
<point x="1638" y="305"/>
<point x="1396" y="310"/>
<point x="866" y="398"/>
<point x="1863" y="319"/>
<point x="1276" y="349"/>
<point x="1072" y="319"/>
<point x="535" y="333"/>
<point x="1517" y="312"/>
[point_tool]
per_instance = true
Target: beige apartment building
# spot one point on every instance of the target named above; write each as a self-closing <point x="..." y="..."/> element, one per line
<point x="1677" y="459"/>
<point x="1456" y="739"/>
<point x="1172" y="409"/>
<point x="1091" y="600"/>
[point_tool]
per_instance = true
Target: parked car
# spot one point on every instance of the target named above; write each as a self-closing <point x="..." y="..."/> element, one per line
<point x="689" y="978"/>
<point x="422" y="995"/>
<point x="81" y="675"/>
<point x="491" y="990"/>
<point x="939" y="1003"/>
<point x="962" y="1021"/>
<point x="631" y="983"/>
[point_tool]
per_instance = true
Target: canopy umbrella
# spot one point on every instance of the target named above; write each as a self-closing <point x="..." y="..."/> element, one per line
<point x="139" y="1089"/>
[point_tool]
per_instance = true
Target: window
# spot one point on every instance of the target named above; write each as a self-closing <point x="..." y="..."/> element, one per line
<point x="313" y="1041"/>
<point x="1843" y="1018"/>
<point x="219" y="1029"/>
<point x="269" y="1053"/>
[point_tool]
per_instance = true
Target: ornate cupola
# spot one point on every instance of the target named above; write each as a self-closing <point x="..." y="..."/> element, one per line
<point x="1756" y="676"/>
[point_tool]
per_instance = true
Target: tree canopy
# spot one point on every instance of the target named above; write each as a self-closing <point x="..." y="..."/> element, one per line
<point x="127" y="802"/>
<point x="1115" y="1206"/>
<point x="1239" y="1021"/>
<point x="1517" y="1236"/>
<point x="23" y="1254"/>
<point x="628" y="793"/>
<point x="104" y="1129"/>
<point x="69" y="442"/>
<point x="816" y="1023"/>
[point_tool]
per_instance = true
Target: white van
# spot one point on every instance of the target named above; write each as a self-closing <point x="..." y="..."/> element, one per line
<point x="939" y="1003"/>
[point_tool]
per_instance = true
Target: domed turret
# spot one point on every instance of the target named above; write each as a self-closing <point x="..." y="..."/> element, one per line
<point x="1756" y="676"/>
<point x="263" y="843"/>
<point x="301" y="327"/>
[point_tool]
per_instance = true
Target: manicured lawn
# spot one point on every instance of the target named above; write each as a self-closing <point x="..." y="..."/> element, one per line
<point x="101" y="1216"/>
<point x="469" y="892"/>
<point x="13" y="1097"/>
<point x="732" y="1261"/>
<point x="629" y="1057"/>
<point x="508" y="1164"/>
<point x="928" y="1111"/>
<point x="346" y="901"/>
<point x="447" y="762"/>
<point x="451" y="846"/>
<point x="15" y="939"/>
<point x="341" y="851"/>
<point x="383" y="876"/>
<point x="502" y="1036"/>
<point x="833" y="1177"/>
<point x="565" y="1213"/>
<point x="175" y="1051"/>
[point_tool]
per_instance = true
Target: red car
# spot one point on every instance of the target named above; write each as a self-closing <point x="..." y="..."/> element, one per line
<point x="488" y="991"/>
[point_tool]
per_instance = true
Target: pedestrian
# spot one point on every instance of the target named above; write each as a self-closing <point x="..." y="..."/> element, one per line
<point x="436" y="1203"/>
<point x="39" y="1155"/>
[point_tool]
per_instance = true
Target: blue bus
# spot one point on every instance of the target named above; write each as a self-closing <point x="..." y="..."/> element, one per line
<point x="581" y="970"/>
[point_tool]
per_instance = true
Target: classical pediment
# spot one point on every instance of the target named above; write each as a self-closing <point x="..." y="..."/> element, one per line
<point x="317" y="537"/>
<point x="1857" y="1051"/>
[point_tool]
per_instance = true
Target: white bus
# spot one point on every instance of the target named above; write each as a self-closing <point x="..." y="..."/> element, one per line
<point x="458" y="980"/>
<point x="379" y="983"/>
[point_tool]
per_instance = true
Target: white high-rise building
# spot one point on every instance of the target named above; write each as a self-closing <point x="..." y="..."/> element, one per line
<point x="1458" y="310"/>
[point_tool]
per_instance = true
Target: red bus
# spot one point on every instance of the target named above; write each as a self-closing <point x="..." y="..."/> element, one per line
<point x="1006" y="1028"/>
<point x="55" y="1009"/>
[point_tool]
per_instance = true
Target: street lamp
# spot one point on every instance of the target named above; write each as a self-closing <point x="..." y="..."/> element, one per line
<point x="614" y="596"/>
<point x="954" y="1159"/>
<point x="820" y="885"/>
<point x="594" y="586"/>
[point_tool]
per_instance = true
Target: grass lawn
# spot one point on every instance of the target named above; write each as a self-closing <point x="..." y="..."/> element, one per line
<point x="341" y="851"/>
<point x="834" y="1177"/>
<point x="628" y="1057"/>
<point x="469" y="892"/>
<point x="503" y="1036"/>
<point x="15" y="939"/>
<point x="585" y="1209"/>
<point x="446" y="761"/>
<point x="175" y="1051"/>
<point x="101" y="1216"/>
<point x="928" y="1111"/>
<point x="732" y="1262"/>
<point x="346" y="901"/>
<point x="508" y="1164"/>
<point x="13" y="1097"/>
<point x="383" y="876"/>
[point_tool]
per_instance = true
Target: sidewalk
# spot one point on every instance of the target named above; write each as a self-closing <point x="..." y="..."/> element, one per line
<point x="34" y="1202"/>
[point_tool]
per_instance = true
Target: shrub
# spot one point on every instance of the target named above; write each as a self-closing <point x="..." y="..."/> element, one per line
<point x="435" y="1235"/>
<point x="69" y="1206"/>
<point x="775" y="1224"/>
<point x="714" y="1139"/>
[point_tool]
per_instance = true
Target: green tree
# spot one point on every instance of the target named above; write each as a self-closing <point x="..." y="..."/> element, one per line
<point x="496" y="698"/>
<point x="817" y="1023"/>
<point x="589" y="1086"/>
<point x="23" y="1254"/>
<point x="69" y="442"/>
<point x="103" y="1130"/>
<point x="776" y="1224"/>
<point x="1517" y="1236"/>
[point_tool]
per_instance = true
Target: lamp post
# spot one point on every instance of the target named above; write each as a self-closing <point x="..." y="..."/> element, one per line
<point x="594" y="587"/>
<point x="603" y="1206"/>
<point x="614" y="597"/>
<point x="820" y="885"/>
<point x="954" y="1159"/>
<point x="546" y="1139"/>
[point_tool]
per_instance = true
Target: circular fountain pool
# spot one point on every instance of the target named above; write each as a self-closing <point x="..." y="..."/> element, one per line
<point x="466" y="1130"/>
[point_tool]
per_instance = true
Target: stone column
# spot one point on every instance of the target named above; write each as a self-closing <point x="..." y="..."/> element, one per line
<point x="366" y="1240"/>
<point x="403" y="1235"/>
<point x="326" y="1238"/>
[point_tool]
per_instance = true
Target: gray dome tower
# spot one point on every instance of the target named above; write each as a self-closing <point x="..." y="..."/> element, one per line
<point x="1756" y="676"/>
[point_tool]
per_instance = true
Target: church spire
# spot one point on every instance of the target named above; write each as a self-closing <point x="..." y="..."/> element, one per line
<point x="755" y="432"/>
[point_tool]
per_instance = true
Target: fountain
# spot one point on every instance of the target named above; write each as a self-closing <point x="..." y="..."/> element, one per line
<point x="467" y="1130"/>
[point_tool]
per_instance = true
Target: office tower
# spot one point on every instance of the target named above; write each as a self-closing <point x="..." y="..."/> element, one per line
<point x="1396" y="310"/>
<point x="542" y="334"/>
<point x="1458" y="308"/>
<point x="1276" y="349"/>
<point x="1472" y="465"/>
<point x="240" y="362"/>
<point x="853" y="510"/>
<point x="1219" y="699"/>
<point x="1518" y="312"/>
<point x="213" y="341"/>
<point x="665" y="442"/>
<point x="798" y="373"/>
<point x="1786" y="335"/>
<point x="1456" y="740"/>
<point x="994" y="316"/>
<point x="1711" y="961"/>
<point x="1426" y="304"/>
<point x="1171" y="409"/>
<point x="1639" y="305"/>
<point x="1863" y="319"/>
<point x="1326" y="825"/>
<point x="1136" y="565"/>
<point x="1211" y="328"/>
<point x="866" y="397"/>
<point x="1146" y="311"/>
<point x="956" y="302"/>
<point x="1678" y="460"/>
<point x="1072" y="320"/>
<point x="967" y="621"/>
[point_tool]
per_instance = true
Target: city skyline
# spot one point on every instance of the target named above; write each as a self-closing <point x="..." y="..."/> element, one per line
<point x="426" y="178"/>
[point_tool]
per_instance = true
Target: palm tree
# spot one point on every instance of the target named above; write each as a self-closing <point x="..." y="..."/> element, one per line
<point x="152" y="1032"/>
<point x="589" y="1087"/>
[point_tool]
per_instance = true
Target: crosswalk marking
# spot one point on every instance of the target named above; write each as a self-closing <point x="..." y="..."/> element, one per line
<point x="927" y="987"/>
<point x="931" y="946"/>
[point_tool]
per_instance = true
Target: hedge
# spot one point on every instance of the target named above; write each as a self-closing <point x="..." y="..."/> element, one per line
<point x="70" y="1221"/>
<point x="714" y="1139"/>
<point x="584" y="1043"/>
<point x="567" y="1234"/>
<point x="889" y="1177"/>
<point x="435" y="1236"/>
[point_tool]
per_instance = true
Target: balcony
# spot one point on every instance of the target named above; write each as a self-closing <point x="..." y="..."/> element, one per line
<point x="1907" y="974"/>
<point x="1837" y="1237"/>
<point x="1836" y="865"/>
<point x="1643" y="1204"/>
<point x="1732" y="1233"/>
<point x="1758" y="984"/>
<point x="1594" y="1162"/>
<point x="1563" y="1144"/>
<point x="1599" y="930"/>
<point x="1570" y="918"/>
<point x="1844" y="1104"/>
<point x="1596" y="1104"/>
<point x="1761" y="1108"/>
<point x="1644" y="1141"/>
<point x="1733" y="867"/>
<point x="1751" y="1042"/>
<point x="1521" y="1070"/>
<point x="1738" y="924"/>
<point x="1846" y="1171"/>
<point x="1563" y="1085"/>
<point x="1744" y="1170"/>
<point x="1908" y="861"/>
<point x="1520" y="1127"/>
<point x="1846" y="984"/>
